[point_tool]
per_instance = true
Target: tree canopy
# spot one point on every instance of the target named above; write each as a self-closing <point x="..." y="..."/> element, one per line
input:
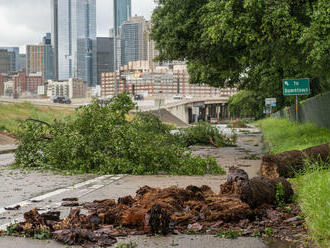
<point x="252" y="44"/>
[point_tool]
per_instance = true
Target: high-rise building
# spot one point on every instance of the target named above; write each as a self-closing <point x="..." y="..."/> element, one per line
<point x="134" y="40"/>
<point x="122" y="12"/>
<point x="74" y="39"/>
<point x="14" y="58"/>
<point x="21" y="63"/>
<point x="39" y="58"/>
<point x="105" y="59"/>
<point x="5" y="61"/>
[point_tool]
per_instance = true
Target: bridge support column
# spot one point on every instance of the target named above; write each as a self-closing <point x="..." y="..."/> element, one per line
<point x="217" y="111"/>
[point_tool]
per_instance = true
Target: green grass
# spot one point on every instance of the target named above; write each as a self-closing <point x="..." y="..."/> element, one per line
<point x="313" y="184"/>
<point x="313" y="190"/>
<point x="284" y="135"/>
<point x="11" y="114"/>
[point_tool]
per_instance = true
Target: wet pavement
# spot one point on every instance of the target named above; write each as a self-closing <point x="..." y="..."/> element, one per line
<point x="6" y="159"/>
<point x="46" y="191"/>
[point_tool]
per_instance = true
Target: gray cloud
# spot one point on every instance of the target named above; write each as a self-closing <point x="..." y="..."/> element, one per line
<point x="25" y="22"/>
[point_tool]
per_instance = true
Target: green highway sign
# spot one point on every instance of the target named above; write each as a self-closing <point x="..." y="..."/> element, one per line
<point x="294" y="87"/>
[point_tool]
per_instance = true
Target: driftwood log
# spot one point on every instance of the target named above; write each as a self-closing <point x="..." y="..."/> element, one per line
<point x="285" y="164"/>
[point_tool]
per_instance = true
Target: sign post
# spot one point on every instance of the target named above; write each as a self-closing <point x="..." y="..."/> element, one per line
<point x="270" y="102"/>
<point x="296" y="87"/>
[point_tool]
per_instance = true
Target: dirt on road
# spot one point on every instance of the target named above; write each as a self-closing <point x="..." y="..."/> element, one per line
<point x="5" y="139"/>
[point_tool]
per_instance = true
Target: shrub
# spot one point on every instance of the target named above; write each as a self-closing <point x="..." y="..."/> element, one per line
<point x="100" y="139"/>
<point x="201" y="134"/>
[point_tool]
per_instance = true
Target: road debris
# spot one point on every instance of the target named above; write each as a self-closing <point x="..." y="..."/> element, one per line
<point x="171" y="210"/>
<point x="285" y="164"/>
<point x="17" y="207"/>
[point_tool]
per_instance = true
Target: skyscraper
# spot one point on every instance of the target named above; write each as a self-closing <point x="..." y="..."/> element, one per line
<point x="39" y="58"/>
<point x="74" y="39"/>
<point x="105" y="59"/>
<point x="134" y="40"/>
<point x="122" y="12"/>
<point x="5" y="61"/>
<point x="14" y="57"/>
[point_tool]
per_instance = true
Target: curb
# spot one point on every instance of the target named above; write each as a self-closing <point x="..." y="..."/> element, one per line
<point x="6" y="151"/>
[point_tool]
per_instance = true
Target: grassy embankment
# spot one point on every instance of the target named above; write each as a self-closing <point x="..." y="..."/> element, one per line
<point x="11" y="114"/>
<point x="313" y="186"/>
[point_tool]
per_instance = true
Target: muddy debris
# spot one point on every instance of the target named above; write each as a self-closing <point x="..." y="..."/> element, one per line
<point x="17" y="207"/>
<point x="285" y="164"/>
<point x="70" y="199"/>
<point x="171" y="210"/>
<point x="70" y="204"/>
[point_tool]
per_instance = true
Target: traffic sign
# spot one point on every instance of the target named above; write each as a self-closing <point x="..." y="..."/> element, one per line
<point x="199" y="104"/>
<point x="295" y="87"/>
<point x="195" y="110"/>
<point x="270" y="101"/>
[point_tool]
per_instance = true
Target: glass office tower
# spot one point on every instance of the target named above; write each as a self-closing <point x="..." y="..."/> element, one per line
<point x="14" y="57"/>
<point x="74" y="42"/>
<point x="134" y="40"/>
<point x="123" y="11"/>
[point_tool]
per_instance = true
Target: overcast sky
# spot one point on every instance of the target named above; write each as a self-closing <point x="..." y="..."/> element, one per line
<point x="25" y="22"/>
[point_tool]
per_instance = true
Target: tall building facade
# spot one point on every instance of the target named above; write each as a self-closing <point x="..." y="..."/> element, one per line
<point x="14" y="58"/>
<point x="27" y="83"/>
<point x="74" y="39"/>
<point x="134" y="40"/>
<point x="105" y="56"/>
<point x="5" y="61"/>
<point x="22" y="63"/>
<point x="39" y="58"/>
<point x="122" y="12"/>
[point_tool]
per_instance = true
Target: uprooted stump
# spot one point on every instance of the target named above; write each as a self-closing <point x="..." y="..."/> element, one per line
<point x="285" y="164"/>
<point x="261" y="190"/>
<point x="158" y="211"/>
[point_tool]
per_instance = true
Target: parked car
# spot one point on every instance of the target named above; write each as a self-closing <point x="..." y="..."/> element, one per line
<point x="62" y="99"/>
<point x="138" y="97"/>
<point x="177" y="97"/>
<point x="213" y="120"/>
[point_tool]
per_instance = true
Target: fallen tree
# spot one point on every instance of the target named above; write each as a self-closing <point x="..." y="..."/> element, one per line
<point x="286" y="164"/>
<point x="100" y="139"/>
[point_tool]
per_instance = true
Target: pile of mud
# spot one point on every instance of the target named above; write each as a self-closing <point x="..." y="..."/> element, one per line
<point x="164" y="211"/>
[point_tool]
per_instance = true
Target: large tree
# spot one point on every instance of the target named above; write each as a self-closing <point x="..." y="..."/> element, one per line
<point x="251" y="43"/>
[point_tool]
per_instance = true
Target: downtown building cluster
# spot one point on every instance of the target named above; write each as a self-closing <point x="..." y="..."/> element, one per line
<point x="73" y="54"/>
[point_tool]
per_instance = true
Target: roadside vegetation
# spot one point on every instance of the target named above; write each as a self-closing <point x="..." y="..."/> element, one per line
<point x="12" y="114"/>
<point x="313" y="183"/>
<point x="313" y="189"/>
<point x="205" y="134"/>
<point x="284" y="135"/>
<point x="101" y="139"/>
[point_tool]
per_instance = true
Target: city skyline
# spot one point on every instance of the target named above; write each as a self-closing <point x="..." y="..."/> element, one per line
<point x="30" y="26"/>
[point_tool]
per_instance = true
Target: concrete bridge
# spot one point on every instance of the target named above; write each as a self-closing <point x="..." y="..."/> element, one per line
<point x="187" y="110"/>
